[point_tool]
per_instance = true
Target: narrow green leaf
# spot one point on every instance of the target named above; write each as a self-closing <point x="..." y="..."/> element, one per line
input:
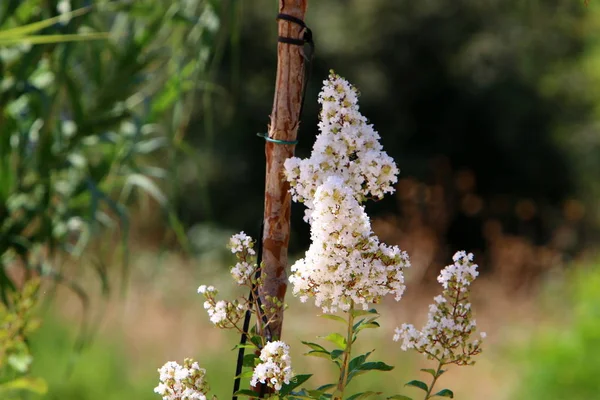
<point x="38" y="26"/>
<point x="246" y="393"/>
<point x="429" y="371"/>
<point x="45" y="39"/>
<point x="245" y="346"/>
<point x="362" y="395"/>
<point x="35" y="385"/>
<point x="418" y="384"/>
<point x="399" y="397"/>
<point x="326" y="387"/>
<point x="334" y="318"/>
<point x="368" y="325"/>
<point x="445" y="393"/>
<point x="315" y="346"/>
<point x="246" y="374"/>
<point x="336" y="339"/>
<point x="315" y="353"/>
<point x="376" y="365"/>
<point x="297" y="381"/>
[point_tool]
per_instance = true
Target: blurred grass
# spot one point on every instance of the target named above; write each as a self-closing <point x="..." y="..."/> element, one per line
<point x="562" y="362"/>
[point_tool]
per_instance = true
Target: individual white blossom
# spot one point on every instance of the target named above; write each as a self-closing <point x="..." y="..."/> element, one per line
<point x="446" y="336"/>
<point x="182" y="382"/>
<point x="347" y="147"/>
<point x="346" y="264"/>
<point x="276" y="366"/>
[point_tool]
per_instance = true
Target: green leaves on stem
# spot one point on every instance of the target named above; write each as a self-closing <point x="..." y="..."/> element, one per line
<point x="427" y="388"/>
<point x="341" y="355"/>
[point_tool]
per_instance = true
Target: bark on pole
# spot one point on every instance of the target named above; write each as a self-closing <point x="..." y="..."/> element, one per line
<point x="283" y="126"/>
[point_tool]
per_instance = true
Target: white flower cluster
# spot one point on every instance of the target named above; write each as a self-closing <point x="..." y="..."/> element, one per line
<point x="450" y="324"/>
<point x="276" y="366"/>
<point x="347" y="147"/>
<point x="224" y="314"/>
<point x="182" y="382"/>
<point x="345" y="263"/>
<point x="241" y="245"/>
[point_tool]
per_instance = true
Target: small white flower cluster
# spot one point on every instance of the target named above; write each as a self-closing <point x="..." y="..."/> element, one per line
<point x="450" y="324"/>
<point x="182" y="382"/>
<point x="241" y="245"/>
<point x="276" y="366"/>
<point x="347" y="147"/>
<point x="346" y="263"/>
<point x="224" y="314"/>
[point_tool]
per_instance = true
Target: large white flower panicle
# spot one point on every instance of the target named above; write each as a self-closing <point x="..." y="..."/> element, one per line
<point x="182" y="382"/>
<point x="347" y="147"/>
<point x="446" y="337"/>
<point x="346" y="264"/>
<point x="276" y="366"/>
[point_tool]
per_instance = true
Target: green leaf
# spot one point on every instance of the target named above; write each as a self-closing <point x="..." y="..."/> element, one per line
<point x="367" y="325"/>
<point x="376" y="365"/>
<point x="316" y="353"/>
<point x="370" y="366"/>
<point x="246" y="393"/>
<point x="35" y="385"/>
<point x="358" y="361"/>
<point x="326" y="387"/>
<point x="336" y="339"/>
<point x="445" y="393"/>
<point x="257" y="341"/>
<point x="45" y="39"/>
<point x="399" y="397"/>
<point x="249" y="360"/>
<point x="246" y="374"/>
<point x="335" y="354"/>
<point x="316" y="347"/>
<point x="430" y="371"/>
<point x="362" y="395"/>
<point x="245" y="346"/>
<point x="360" y="313"/>
<point x="21" y="31"/>
<point x="418" y="384"/>
<point x="334" y="318"/>
<point x="297" y="381"/>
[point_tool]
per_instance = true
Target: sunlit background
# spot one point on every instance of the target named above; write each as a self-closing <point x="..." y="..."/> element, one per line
<point x="127" y="161"/>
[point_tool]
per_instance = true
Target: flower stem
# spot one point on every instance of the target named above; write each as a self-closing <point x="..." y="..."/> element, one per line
<point x="343" y="381"/>
<point x="435" y="378"/>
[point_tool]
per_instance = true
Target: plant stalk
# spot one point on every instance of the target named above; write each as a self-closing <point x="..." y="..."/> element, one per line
<point x="343" y="381"/>
<point x="435" y="378"/>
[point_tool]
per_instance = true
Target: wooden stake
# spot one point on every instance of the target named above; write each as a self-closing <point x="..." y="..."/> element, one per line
<point x="283" y="126"/>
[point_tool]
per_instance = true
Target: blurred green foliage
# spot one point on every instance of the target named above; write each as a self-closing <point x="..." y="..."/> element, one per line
<point x="87" y="127"/>
<point x="562" y="363"/>
<point x="17" y="323"/>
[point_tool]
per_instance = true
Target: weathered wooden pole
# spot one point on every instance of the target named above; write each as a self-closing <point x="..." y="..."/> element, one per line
<point x="283" y="127"/>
